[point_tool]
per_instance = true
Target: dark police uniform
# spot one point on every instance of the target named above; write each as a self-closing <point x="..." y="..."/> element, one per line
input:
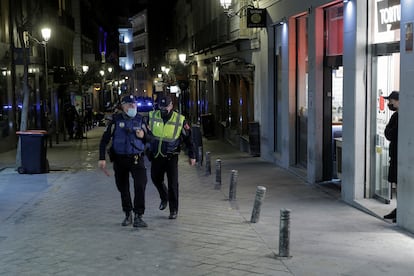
<point x="167" y="134"/>
<point x="127" y="151"/>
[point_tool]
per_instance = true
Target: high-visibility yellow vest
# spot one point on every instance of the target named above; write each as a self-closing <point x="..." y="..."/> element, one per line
<point x="168" y="132"/>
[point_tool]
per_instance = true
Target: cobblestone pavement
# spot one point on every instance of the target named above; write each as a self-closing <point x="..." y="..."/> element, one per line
<point x="72" y="226"/>
<point x="67" y="222"/>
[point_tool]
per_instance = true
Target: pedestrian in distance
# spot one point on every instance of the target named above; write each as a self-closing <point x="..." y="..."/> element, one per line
<point x="168" y="130"/>
<point x="391" y="133"/>
<point x="71" y="116"/>
<point x="127" y="132"/>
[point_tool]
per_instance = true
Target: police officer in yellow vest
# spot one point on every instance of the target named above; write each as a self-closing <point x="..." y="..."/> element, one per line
<point x="168" y="130"/>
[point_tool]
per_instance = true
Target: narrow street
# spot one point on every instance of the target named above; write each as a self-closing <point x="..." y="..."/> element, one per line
<point x="67" y="222"/>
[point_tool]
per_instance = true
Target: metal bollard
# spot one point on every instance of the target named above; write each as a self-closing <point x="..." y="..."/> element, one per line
<point x="284" y="233"/>
<point x="260" y="194"/>
<point x="233" y="185"/>
<point x="200" y="156"/>
<point x="208" y="163"/>
<point x="218" y="173"/>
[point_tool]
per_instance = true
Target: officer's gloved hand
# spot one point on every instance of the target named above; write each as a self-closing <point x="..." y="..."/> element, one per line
<point x="102" y="164"/>
<point x="139" y="133"/>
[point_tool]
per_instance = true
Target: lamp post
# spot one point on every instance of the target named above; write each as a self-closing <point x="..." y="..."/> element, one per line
<point x="85" y="69"/>
<point x="46" y="33"/>
<point x="101" y="97"/>
<point x="111" y="94"/>
<point x="33" y="71"/>
<point x="182" y="78"/>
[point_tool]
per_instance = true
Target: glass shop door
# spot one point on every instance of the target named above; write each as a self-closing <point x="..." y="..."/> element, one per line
<point x="387" y="79"/>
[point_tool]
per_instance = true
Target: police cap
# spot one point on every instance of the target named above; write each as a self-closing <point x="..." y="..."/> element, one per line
<point x="128" y="99"/>
<point x="164" y="101"/>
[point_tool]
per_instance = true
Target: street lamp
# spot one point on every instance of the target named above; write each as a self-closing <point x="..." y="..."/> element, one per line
<point x="85" y="68"/>
<point x="225" y="4"/>
<point x="182" y="57"/>
<point x="46" y="33"/>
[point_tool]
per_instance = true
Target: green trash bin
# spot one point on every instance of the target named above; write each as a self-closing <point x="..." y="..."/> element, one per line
<point x="33" y="152"/>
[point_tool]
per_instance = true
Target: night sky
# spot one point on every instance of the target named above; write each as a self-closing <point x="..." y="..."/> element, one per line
<point x="160" y="14"/>
<point x="130" y="7"/>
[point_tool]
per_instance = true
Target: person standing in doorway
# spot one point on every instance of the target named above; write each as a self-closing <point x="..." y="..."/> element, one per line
<point x="391" y="133"/>
<point x="126" y="130"/>
<point x="167" y="131"/>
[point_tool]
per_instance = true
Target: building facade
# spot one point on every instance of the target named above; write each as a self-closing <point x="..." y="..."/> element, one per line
<point x="140" y="49"/>
<point x="42" y="76"/>
<point x="55" y="68"/>
<point x="313" y="77"/>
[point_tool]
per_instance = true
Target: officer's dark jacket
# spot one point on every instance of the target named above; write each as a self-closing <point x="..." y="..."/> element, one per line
<point x="170" y="146"/>
<point x="121" y="129"/>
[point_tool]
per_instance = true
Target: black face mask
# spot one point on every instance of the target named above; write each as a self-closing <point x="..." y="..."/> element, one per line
<point x="392" y="107"/>
<point x="164" y="113"/>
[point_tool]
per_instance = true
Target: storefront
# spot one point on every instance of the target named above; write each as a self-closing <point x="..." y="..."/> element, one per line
<point x="330" y="65"/>
<point x="385" y="17"/>
<point x="307" y="101"/>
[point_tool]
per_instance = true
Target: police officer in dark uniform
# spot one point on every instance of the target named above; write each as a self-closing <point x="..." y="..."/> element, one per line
<point x="126" y="130"/>
<point x="167" y="131"/>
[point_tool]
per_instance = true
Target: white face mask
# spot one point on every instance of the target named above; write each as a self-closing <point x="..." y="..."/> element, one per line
<point x="131" y="112"/>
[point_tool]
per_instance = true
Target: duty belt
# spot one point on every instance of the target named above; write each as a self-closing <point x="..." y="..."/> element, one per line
<point x="136" y="157"/>
<point x="141" y="154"/>
<point x="168" y="155"/>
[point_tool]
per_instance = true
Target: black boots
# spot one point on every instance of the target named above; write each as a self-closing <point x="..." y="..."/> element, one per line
<point x="138" y="222"/>
<point x="392" y="215"/>
<point x="163" y="204"/>
<point x="127" y="220"/>
<point x="173" y="215"/>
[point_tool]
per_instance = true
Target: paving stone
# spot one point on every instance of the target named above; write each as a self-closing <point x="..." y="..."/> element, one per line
<point x="67" y="222"/>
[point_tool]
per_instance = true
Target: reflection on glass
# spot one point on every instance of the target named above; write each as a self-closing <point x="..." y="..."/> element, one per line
<point x="337" y="107"/>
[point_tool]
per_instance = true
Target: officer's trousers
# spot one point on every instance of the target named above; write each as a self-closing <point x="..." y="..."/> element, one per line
<point x="123" y="166"/>
<point x="169" y="165"/>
